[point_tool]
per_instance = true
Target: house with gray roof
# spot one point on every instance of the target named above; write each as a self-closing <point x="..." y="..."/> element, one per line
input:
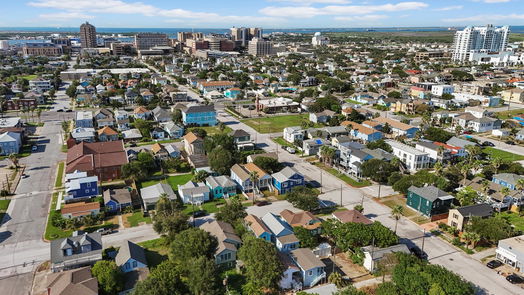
<point x="161" y="115"/>
<point x="79" y="250"/>
<point x="130" y="257"/>
<point x="509" y="180"/>
<point x="311" y="267"/>
<point x="194" y="192"/>
<point x="373" y="255"/>
<point x="283" y="235"/>
<point x="151" y="194"/>
<point x="459" y="217"/>
<point x="228" y="241"/>
<point x="429" y="200"/>
<point x="221" y="186"/>
<point x="286" y="179"/>
<point x="312" y="146"/>
<point x="459" y="142"/>
<point x="10" y="143"/>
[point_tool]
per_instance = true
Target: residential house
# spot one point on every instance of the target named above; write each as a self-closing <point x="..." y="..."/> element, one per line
<point x="515" y="95"/>
<point x="80" y="209"/>
<point x="429" y="200"/>
<point x="172" y="150"/>
<point x="194" y="193"/>
<point x="79" y="250"/>
<point x="359" y="131"/>
<point x="228" y="242"/>
<point x="107" y="134"/>
<point x="436" y="152"/>
<point x="158" y="133"/>
<point x="84" y="119"/>
<point x="80" y="186"/>
<point x="117" y="199"/>
<point x="511" y="252"/>
<point x="83" y="134"/>
<point x="509" y="180"/>
<point x="146" y="94"/>
<point x="283" y="236"/>
<point x="122" y="120"/>
<point x="161" y="115"/>
<point x="208" y="86"/>
<point x="131" y="135"/>
<point x="303" y="219"/>
<point x="398" y="128"/>
<point x="10" y="143"/>
<point x="103" y="159"/>
<point x="286" y="179"/>
<point x="141" y="113"/>
<point x="103" y="118"/>
<point x="459" y="142"/>
<point x="373" y="255"/>
<point x="459" y="217"/>
<point x="495" y="195"/>
<point x="130" y="257"/>
<point x="193" y="145"/>
<point x="354" y="216"/>
<point x="311" y="268"/>
<point x="322" y="117"/>
<point x="351" y="159"/>
<point x="199" y="115"/>
<point x="130" y="96"/>
<point x="258" y="228"/>
<point x="75" y="281"/>
<point x="242" y="140"/>
<point x="173" y="130"/>
<point x="221" y="186"/>
<point x="293" y="134"/>
<point x="288" y="279"/>
<point x="312" y="146"/>
<point x="411" y="157"/>
<point x="151" y="194"/>
<point x="241" y="174"/>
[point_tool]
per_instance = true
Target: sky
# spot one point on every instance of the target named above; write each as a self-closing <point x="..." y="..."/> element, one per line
<point x="262" y="13"/>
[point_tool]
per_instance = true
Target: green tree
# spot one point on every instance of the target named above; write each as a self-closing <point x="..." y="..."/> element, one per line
<point x="202" y="276"/>
<point x="350" y="290"/>
<point x="232" y="211"/>
<point x="165" y="279"/>
<point x="200" y="176"/>
<point x="387" y="288"/>
<point x="306" y="238"/>
<point x="108" y="276"/>
<point x="303" y="198"/>
<point x="193" y="243"/>
<point x="490" y="229"/>
<point x="379" y="144"/>
<point x="397" y="213"/>
<point x="378" y="170"/>
<point x="177" y="116"/>
<point x="220" y="160"/>
<point x="202" y="133"/>
<point x="467" y="196"/>
<point x="270" y="165"/>
<point x="262" y="266"/>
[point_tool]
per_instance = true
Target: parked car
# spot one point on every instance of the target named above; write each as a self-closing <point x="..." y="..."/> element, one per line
<point x="60" y="110"/>
<point x="200" y="213"/>
<point x="69" y="111"/>
<point x="494" y="264"/>
<point x="467" y="132"/>
<point x="262" y="203"/>
<point x="290" y="150"/>
<point x="105" y="230"/>
<point x="419" y="253"/>
<point x="515" y="279"/>
<point x="509" y="142"/>
<point x="488" y="143"/>
<point x="133" y="144"/>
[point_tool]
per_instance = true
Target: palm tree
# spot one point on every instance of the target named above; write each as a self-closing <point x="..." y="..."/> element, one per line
<point x="496" y="163"/>
<point x="505" y="191"/>
<point x="474" y="238"/>
<point x="253" y="176"/>
<point x="466" y="236"/>
<point x="473" y="151"/>
<point x="438" y="168"/>
<point x="485" y="187"/>
<point x="397" y="213"/>
<point x="520" y="184"/>
<point x="327" y="154"/>
<point x="14" y="159"/>
<point x="39" y="114"/>
<point x="440" y="152"/>
<point x="464" y="170"/>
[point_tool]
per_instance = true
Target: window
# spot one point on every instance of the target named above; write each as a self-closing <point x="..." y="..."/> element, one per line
<point x="135" y="264"/>
<point x="87" y="191"/>
<point x="310" y="273"/>
<point x="89" y="184"/>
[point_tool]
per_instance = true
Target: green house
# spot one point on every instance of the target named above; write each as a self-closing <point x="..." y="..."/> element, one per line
<point x="429" y="200"/>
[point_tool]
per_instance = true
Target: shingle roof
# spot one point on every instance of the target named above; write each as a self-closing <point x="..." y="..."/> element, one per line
<point x="257" y="226"/>
<point x="130" y="250"/>
<point x="285" y="174"/>
<point x="351" y="216"/>
<point x="306" y="259"/>
<point x="429" y="192"/>
<point x="72" y="282"/>
<point x="481" y="210"/>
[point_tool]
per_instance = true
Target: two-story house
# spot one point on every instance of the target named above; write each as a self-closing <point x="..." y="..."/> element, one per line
<point x="293" y="134"/>
<point x="130" y="257"/>
<point x="194" y="193"/>
<point x="311" y="268"/>
<point x="199" y="115"/>
<point x="84" y="119"/>
<point x="10" y="143"/>
<point x="107" y="134"/>
<point x="509" y="180"/>
<point x="221" y="186"/>
<point x="117" y="199"/>
<point x="173" y="130"/>
<point x="80" y="186"/>
<point x="193" y="145"/>
<point x="429" y="200"/>
<point x="242" y="175"/>
<point x="459" y="217"/>
<point x="242" y="140"/>
<point x="286" y="179"/>
<point x="258" y="228"/>
<point x="228" y="242"/>
<point x="122" y="120"/>
<point x="79" y="250"/>
<point x="283" y="236"/>
<point x="413" y="159"/>
<point x="303" y="219"/>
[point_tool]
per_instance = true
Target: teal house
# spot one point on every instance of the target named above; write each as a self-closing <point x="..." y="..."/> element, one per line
<point x="429" y="200"/>
<point x="221" y="186"/>
<point x="199" y="115"/>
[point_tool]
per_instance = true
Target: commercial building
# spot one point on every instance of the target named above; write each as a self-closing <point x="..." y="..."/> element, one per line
<point x="438" y="90"/>
<point x="47" y="49"/>
<point x="319" y="40"/>
<point x="88" y="35"/>
<point x="145" y="41"/>
<point x="184" y="36"/>
<point x="260" y="47"/>
<point x="511" y="252"/>
<point x="475" y="39"/>
<point x="4" y="45"/>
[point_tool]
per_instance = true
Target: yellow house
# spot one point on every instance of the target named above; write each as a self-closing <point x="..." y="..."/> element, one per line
<point x="513" y="95"/>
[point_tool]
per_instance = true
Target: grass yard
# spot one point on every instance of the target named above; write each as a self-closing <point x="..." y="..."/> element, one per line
<point x="209" y="207"/>
<point x="353" y="101"/>
<point x="156" y="251"/>
<point x="4" y="204"/>
<point x="509" y="114"/>
<point x="275" y="123"/>
<point x="60" y="173"/>
<point x="504" y="155"/>
<point x="393" y="201"/>
<point x="343" y="176"/>
<point x="212" y="130"/>
<point x="51" y="232"/>
<point x="29" y="77"/>
<point x="174" y="181"/>
<point x="136" y="218"/>
<point x="514" y="219"/>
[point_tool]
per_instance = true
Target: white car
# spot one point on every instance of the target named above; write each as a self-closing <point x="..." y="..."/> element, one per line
<point x="290" y="150"/>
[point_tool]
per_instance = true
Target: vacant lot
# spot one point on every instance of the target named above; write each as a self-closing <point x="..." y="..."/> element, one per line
<point x="275" y="124"/>
<point x="173" y="181"/>
<point x="514" y="219"/>
<point x="509" y="114"/>
<point x="506" y="156"/>
<point x="156" y="251"/>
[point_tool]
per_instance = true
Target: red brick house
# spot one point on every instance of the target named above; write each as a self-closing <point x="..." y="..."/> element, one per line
<point x="103" y="159"/>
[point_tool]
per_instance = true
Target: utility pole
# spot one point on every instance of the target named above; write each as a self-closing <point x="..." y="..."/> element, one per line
<point x="321" y="181"/>
<point x="423" y="237"/>
<point x="193" y="206"/>
<point x="341" y="195"/>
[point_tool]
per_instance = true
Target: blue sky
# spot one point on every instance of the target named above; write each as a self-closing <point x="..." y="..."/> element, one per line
<point x="264" y="13"/>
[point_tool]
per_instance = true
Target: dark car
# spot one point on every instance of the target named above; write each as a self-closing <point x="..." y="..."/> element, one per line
<point x="199" y="213"/>
<point x="509" y="142"/>
<point x="467" y="132"/>
<point x="419" y="253"/>
<point x="262" y="203"/>
<point x="493" y="264"/>
<point x="69" y="111"/>
<point x="133" y="144"/>
<point x="488" y="143"/>
<point x="515" y="279"/>
<point x="60" y="110"/>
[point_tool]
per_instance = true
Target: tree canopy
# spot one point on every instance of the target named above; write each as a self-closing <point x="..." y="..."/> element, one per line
<point x="303" y="198"/>
<point x="108" y="276"/>
<point x="355" y="235"/>
<point x="270" y="165"/>
<point x="193" y="243"/>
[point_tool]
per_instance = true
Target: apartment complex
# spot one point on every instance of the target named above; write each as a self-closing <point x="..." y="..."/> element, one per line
<point x="184" y="36"/>
<point x="88" y="35"/>
<point x="244" y="35"/>
<point x="319" y="40"/>
<point x="260" y="47"/>
<point x="45" y="49"/>
<point x="479" y="39"/>
<point x="145" y="41"/>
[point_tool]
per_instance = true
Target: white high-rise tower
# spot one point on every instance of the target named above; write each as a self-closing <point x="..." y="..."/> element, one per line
<point x="478" y="39"/>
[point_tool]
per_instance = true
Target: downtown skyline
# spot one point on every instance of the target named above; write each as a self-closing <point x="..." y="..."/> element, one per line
<point x="267" y="13"/>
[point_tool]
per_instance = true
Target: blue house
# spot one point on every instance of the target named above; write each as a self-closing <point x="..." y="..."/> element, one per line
<point x="311" y="268"/>
<point x="509" y="180"/>
<point x="117" y="199"/>
<point x="10" y="143"/>
<point x="80" y="186"/>
<point x="258" y="228"/>
<point x="286" y="179"/>
<point x="283" y="235"/>
<point x="199" y="115"/>
<point x="221" y="186"/>
<point x="232" y="93"/>
<point x="131" y="257"/>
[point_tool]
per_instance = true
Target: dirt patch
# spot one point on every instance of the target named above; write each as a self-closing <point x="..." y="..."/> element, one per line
<point x="124" y="219"/>
<point x="351" y="270"/>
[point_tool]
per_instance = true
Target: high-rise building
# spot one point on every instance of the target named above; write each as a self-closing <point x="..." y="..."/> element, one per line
<point x="144" y="41"/>
<point x="4" y="44"/>
<point x="479" y="39"/>
<point x="240" y="35"/>
<point x="255" y="33"/>
<point x="88" y="35"/>
<point x="260" y="47"/>
<point x="184" y="36"/>
<point x="319" y="40"/>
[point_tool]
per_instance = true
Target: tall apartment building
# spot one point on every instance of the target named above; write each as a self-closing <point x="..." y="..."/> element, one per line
<point x="244" y="35"/>
<point x="47" y="49"/>
<point x="88" y="35"/>
<point x="478" y="39"/>
<point x="144" y="41"/>
<point x="260" y="47"/>
<point x="184" y="36"/>
<point x="4" y="44"/>
<point x="255" y="33"/>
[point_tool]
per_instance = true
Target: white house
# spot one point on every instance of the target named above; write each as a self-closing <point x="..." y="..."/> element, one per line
<point x="372" y="255"/>
<point x="410" y="156"/>
<point x="292" y="134"/>
<point x="438" y="90"/>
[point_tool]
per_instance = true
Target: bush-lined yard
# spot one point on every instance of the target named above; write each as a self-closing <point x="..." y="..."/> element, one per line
<point x="275" y="123"/>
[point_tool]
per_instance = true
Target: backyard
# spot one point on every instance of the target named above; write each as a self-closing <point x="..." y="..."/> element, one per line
<point x="212" y="130"/>
<point x="173" y="181"/>
<point x="352" y="182"/>
<point x="392" y="201"/>
<point x="276" y="123"/>
<point x="504" y="155"/>
<point x="156" y="251"/>
<point x="209" y="207"/>
<point x="136" y="218"/>
<point x="509" y="114"/>
<point x="514" y="219"/>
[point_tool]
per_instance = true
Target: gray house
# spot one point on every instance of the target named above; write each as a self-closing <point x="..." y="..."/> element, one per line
<point x="312" y="146"/>
<point x="228" y="241"/>
<point x="81" y="249"/>
<point x="311" y="267"/>
<point x="131" y="257"/>
<point x="151" y="194"/>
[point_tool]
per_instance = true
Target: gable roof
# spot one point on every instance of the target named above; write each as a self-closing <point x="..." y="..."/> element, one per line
<point x="121" y="195"/>
<point x="430" y="193"/>
<point x="130" y="250"/>
<point x="107" y="131"/>
<point x="86" y="156"/>
<point x="481" y="210"/>
<point x="225" y="234"/>
<point x="72" y="282"/>
<point x="303" y="218"/>
<point x="305" y="259"/>
<point x="285" y="174"/>
<point x="277" y="226"/>
<point x="351" y="216"/>
<point x="191" y="137"/>
<point x="257" y="226"/>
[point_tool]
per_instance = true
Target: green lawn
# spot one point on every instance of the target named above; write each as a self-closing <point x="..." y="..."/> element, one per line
<point x="212" y="130"/>
<point x="343" y="176"/>
<point x="4" y="204"/>
<point x="209" y="207"/>
<point x="514" y="219"/>
<point x="275" y="123"/>
<point x="51" y="232"/>
<point x="137" y="218"/>
<point x="174" y="181"/>
<point x="160" y="142"/>
<point x="509" y="114"/>
<point x="29" y="77"/>
<point x="58" y="182"/>
<point x="504" y="155"/>
<point x="353" y="101"/>
<point x="156" y="251"/>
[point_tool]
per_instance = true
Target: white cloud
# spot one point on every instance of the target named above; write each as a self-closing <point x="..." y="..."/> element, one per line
<point x="484" y="17"/>
<point x="369" y="18"/>
<point x="61" y="16"/>
<point x="308" y="11"/>
<point x="448" y="8"/>
<point x="496" y="1"/>
<point x="306" y="2"/>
